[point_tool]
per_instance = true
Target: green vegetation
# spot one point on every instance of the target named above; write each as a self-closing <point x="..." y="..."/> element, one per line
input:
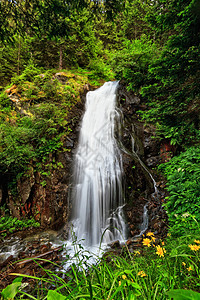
<point x="35" y="126"/>
<point x="154" y="47"/>
<point x="9" y="225"/>
<point x="183" y="203"/>
<point x="159" y="270"/>
<point x="167" y="78"/>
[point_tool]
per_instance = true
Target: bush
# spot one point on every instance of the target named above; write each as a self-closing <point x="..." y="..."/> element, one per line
<point x="10" y="224"/>
<point x="131" y="63"/>
<point x="183" y="204"/>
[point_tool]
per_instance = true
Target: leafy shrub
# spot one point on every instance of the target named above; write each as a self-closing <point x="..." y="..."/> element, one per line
<point x="183" y="204"/>
<point x="16" y="147"/>
<point x="11" y="224"/>
<point x="46" y="102"/>
<point x="29" y="72"/>
<point x="131" y="63"/>
<point x="99" y="69"/>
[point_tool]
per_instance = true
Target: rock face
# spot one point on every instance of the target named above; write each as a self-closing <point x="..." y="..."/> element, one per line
<point x="141" y="153"/>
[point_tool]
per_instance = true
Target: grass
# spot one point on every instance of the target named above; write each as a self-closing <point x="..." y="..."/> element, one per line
<point x="157" y="270"/>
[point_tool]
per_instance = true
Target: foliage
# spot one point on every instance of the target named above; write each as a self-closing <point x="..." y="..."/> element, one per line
<point x="30" y="136"/>
<point x="11" y="290"/>
<point x="16" y="149"/>
<point x="183" y="173"/>
<point x="131" y="63"/>
<point x="9" y="225"/>
<point x="157" y="270"/>
<point x="165" y="71"/>
<point x="99" y="69"/>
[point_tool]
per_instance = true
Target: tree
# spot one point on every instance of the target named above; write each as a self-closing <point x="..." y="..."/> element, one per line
<point x="173" y="87"/>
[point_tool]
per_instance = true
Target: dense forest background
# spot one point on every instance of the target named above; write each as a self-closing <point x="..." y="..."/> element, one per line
<point x="153" y="47"/>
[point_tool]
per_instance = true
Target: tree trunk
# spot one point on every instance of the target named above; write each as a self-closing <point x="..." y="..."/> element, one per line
<point x="61" y="58"/>
<point x="18" y="57"/>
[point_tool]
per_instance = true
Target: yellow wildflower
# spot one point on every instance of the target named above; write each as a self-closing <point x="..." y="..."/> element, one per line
<point x="146" y="242"/>
<point x="137" y="252"/>
<point x="183" y="263"/>
<point x="153" y="238"/>
<point x="120" y="283"/>
<point x="197" y="241"/>
<point x="194" y="247"/>
<point x="163" y="243"/>
<point x="160" y="251"/>
<point x="150" y="233"/>
<point x="124" y="277"/>
<point x="190" y="269"/>
<point x="142" y="274"/>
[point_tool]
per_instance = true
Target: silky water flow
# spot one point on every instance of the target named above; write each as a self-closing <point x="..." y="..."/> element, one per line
<point x="97" y="198"/>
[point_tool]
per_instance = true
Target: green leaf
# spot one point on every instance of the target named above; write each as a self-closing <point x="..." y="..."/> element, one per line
<point x="18" y="279"/>
<point x="184" y="295"/>
<point x="53" y="295"/>
<point x="11" y="290"/>
<point x="131" y="296"/>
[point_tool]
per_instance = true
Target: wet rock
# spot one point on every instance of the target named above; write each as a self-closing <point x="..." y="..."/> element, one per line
<point x="141" y="153"/>
<point x="69" y="143"/>
<point x="6" y="262"/>
<point x="129" y="97"/>
<point x="1" y="195"/>
<point x="25" y="184"/>
<point x="128" y="242"/>
<point x="152" y="161"/>
<point x="114" y="245"/>
<point x="109" y="255"/>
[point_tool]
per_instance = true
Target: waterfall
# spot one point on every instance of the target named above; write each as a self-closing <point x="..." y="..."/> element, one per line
<point x="97" y="193"/>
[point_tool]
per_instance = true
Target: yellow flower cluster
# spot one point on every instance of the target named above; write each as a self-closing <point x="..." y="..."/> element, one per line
<point x="151" y="239"/>
<point x="197" y="241"/>
<point x="190" y="268"/>
<point x="150" y="233"/>
<point x="194" y="247"/>
<point x="160" y="251"/>
<point x="146" y="242"/>
<point x="142" y="274"/>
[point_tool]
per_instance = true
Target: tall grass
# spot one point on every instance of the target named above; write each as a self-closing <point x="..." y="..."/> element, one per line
<point x="158" y="270"/>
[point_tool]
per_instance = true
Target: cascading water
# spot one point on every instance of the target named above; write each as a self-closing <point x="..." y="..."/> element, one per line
<point x="97" y="194"/>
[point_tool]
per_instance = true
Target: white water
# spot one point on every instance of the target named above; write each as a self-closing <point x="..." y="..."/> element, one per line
<point x="97" y="195"/>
